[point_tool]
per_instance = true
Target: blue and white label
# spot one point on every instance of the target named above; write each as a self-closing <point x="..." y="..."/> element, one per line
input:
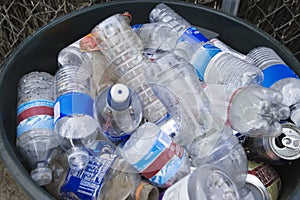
<point x="34" y="123"/>
<point x="86" y="183"/>
<point x="162" y="142"/>
<point x="168" y="171"/>
<point x="116" y="139"/>
<point x="73" y="103"/>
<point x="136" y="27"/>
<point x="34" y="103"/>
<point x="275" y="73"/>
<point x="192" y="35"/>
<point x="202" y="57"/>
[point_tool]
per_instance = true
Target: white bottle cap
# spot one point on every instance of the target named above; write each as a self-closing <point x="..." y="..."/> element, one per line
<point x="119" y="93"/>
<point x="41" y="175"/>
<point x="295" y="117"/>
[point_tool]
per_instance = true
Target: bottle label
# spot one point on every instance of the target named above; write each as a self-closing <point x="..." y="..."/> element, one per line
<point x="73" y="103"/>
<point x="275" y="73"/>
<point x="177" y="191"/>
<point x="202" y="57"/>
<point x="86" y="183"/>
<point x="162" y="162"/>
<point x="116" y="139"/>
<point x="35" y="114"/>
<point x="192" y="36"/>
<point x="136" y="27"/>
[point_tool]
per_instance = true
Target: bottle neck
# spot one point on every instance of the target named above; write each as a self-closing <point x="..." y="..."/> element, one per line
<point x="146" y="191"/>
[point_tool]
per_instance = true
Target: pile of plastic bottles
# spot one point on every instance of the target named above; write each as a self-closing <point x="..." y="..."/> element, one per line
<point x="159" y="111"/>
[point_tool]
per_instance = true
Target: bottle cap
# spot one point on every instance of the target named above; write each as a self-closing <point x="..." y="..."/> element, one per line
<point x="42" y="175"/>
<point x="295" y="117"/>
<point x="146" y="191"/>
<point x="78" y="159"/>
<point x="119" y="97"/>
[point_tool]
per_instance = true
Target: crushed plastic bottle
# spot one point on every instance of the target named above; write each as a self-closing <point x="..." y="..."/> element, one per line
<point x="35" y="136"/>
<point x="153" y="153"/>
<point x="118" y="111"/>
<point x="74" y="120"/>
<point x="253" y="111"/>
<point x="123" y="49"/>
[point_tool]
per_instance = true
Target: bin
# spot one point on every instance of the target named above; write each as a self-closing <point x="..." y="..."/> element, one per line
<point x="39" y="52"/>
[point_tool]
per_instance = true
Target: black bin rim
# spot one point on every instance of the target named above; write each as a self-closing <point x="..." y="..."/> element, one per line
<point x="7" y="154"/>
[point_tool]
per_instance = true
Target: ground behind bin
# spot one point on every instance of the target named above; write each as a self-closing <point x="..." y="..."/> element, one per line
<point x="9" y="190"/>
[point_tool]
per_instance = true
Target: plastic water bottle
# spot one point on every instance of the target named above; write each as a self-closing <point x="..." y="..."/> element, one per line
<point x="207" y="182"/>
<point x="153" y="153"/>
<point x="279" y="76"/>
<point x="253" y="111"/>
<point x="118" y="111"/>
<point x="157" y="35"/>
<point x="35" y="137"/>
<point x="78" y="54"/>
<point x="73" y="110"/>
<point x="123" y="49"/>
<point x="211" y="64"/>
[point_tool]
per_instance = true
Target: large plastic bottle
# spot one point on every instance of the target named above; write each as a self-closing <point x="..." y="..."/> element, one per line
<point x="35" y="136"/>
<point x="279" y="76"/>
<point x="253" y="111"/>
<point x="123" y="49"/>
<point x="210" y="63"/>
<point x="153" y="153"/>
<point x="207" y="182"/>
<point x="74" y="120"/>
<point x="118" y="111"/>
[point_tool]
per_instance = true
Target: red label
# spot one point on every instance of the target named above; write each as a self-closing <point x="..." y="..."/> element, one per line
<point x="266" y="174"/>
<point x="163" y="159"/>
<point x="38" y="110"/>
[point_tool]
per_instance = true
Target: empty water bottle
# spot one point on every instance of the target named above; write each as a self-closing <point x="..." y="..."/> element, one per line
<point x="210" y="63"/>
<point x="207" y="182"/>
<point x="153" y="153"/>
<point x="73" y="110"/>
<point x="253" y="111"/>
<point x="118" y="111"/>
<point x="35" y="136"/>
<point x="123" y="49"/>
<point x="279" y="76"/>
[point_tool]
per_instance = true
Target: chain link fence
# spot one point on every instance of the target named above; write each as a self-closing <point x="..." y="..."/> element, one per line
<point x="20" y="18"/>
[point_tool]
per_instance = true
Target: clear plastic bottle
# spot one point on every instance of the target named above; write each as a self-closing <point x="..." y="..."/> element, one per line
<point x="253" y="111"/>
<point x="118" y="111"/>
<point x="157" y="35"/>
<point x="153" y="153"/>
<point x="279" y="76"/>
<point x="211" y="64"/>
<point x="272" y="66"/>
<point x="207" y="182"/>
<point x="73" y="110"/>
<point x="35" y="136"/>
<point x="123" y="49"/>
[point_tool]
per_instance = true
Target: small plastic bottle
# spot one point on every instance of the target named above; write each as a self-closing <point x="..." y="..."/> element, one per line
<point x="253" y="111"/>
<point x="153" y="153"/>
<point x="124" y="50"/>
<point x="118" y="111"/>
<point x="74" y="120"/>
<point x="207" y="182"/>
<point x="35" y="136"/>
